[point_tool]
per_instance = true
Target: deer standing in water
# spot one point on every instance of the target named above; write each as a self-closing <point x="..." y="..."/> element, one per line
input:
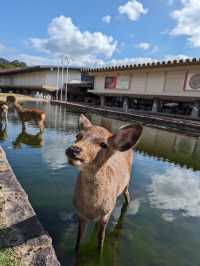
<point x="3" y="117"/>
<point x="26" y="115"/>
<point x="4" y="106"/>
<point x="105" y="162"/>
<point x="3" y="112"/>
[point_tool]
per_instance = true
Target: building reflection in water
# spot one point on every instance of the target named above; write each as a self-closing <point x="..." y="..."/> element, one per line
<point x="175" y="190"/>
<point x="58" y="117"/>
<point x="174" y="147"/>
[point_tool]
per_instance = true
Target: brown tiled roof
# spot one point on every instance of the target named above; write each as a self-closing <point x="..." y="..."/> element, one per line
<point x="156" y="64"/>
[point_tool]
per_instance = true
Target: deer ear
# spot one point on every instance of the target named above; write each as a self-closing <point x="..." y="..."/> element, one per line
<point x="126" y="137"/>
<point x="10" y="99"/>
<point x="84" y="122"/>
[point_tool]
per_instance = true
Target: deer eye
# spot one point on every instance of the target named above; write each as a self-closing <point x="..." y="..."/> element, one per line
<point x="79" y="136"/>
<point x="103" y="145"/>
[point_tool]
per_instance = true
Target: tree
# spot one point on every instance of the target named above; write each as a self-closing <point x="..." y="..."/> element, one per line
<point x="6" y="64"/>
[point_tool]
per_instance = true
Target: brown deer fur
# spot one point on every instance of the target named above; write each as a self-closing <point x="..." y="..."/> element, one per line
<point x="105" y="162"/>
<point x="26" y="115"/>
<point x="30" y="115"/>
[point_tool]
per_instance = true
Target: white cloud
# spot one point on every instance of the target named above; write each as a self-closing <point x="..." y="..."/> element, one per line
<point x="2" y="48"/>
<point x="131" y="60"/>
<point x="133" y="9"/>
<point x="93" y="61"/>
<point x="141" y="60"/>
<point x="37" y="60"/>
<point x="54" y="152"/>
<point x="87" y="60"/>
<point x="64" y="38"/>
<point x="132" y="209"/>
<point x="106" y="19"/>
<point x="188" y="21"/>
<point x="177" y="189"/>
<point x="177" y="57"/>
<point x="144" y="45"/>
<point x="147" y="47"/>
<point x="5" y="49"/>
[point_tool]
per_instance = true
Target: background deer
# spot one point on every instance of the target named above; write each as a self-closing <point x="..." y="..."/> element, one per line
<point x="26" y="115"/>
<point x="3" y="112"/>
<point x="105" y="162"/>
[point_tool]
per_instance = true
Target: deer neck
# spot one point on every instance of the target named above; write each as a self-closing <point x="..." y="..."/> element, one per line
<point x="18" y="108"/>
<point x="99" y="163"/>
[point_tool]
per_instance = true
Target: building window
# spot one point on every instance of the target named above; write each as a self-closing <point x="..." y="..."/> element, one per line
<point x="110" y="82"/>
<point x="195" y="82"/>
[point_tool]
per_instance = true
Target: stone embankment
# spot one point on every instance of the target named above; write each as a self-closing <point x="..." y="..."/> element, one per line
<point x="20" y="229"/>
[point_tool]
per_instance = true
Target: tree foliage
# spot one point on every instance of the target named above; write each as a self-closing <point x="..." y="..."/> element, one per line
<point x="6" y="64"/>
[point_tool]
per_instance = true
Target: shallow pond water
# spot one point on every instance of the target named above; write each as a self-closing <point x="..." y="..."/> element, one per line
<point x="160" y="227"/>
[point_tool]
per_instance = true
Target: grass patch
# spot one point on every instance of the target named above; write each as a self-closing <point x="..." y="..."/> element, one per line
<point x="8" y="258"/>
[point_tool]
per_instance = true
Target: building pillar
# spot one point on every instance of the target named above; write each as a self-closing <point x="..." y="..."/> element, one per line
<point x="102" y="100"/>
<point x="156" y="105"/>
<point x="196" y="109"/>
<point x="125" y="104"/>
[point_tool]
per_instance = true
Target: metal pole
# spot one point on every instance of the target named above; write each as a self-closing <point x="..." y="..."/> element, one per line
<point x="62" y="78"/>
<point x="67" y="78"/>
<point x="57" y="83"/>
<point x="66" y="87"/>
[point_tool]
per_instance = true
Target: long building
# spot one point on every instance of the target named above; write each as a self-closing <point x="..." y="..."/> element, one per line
<point x="168" y="87"/>
<point x="45" y="80"/>
<point x="171" y="87"/>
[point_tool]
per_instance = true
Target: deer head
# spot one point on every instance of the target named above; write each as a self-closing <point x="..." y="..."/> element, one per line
<point x="94" y="145"/>
<point x="4" y="108"/>
<point x="10" y="99"/>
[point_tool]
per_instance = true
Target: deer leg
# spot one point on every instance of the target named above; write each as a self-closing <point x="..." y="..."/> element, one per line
<point x="6" y="118"/>
<point x="41" y="126"/>
<point x="126" y="195"/>
<point x="101" y="235"/>
<point x="81" y="230"/>
<point x="23" y="126"/>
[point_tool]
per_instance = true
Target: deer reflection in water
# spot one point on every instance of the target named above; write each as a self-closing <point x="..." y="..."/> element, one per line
<point x="32" y="140"/>
<point x="111" y="248"/>
<point x="3" y="131"/>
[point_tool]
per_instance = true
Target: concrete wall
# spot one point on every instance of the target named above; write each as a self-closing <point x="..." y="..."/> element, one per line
<point x="38" y="79"/>
<point x="51" y="77"/>
<point x="171" y="81"/>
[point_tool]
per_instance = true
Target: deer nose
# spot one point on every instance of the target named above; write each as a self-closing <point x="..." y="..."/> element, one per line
<point x="73" y="151"/>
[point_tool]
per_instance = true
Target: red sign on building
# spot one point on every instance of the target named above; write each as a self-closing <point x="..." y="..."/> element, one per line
<point x="110" y="82"/>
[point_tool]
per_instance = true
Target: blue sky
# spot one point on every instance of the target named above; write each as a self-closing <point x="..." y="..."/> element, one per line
<point x="99" y="32"/>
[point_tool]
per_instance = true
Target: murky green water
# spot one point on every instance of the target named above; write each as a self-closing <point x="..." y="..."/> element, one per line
<point x="161" y="226"/>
